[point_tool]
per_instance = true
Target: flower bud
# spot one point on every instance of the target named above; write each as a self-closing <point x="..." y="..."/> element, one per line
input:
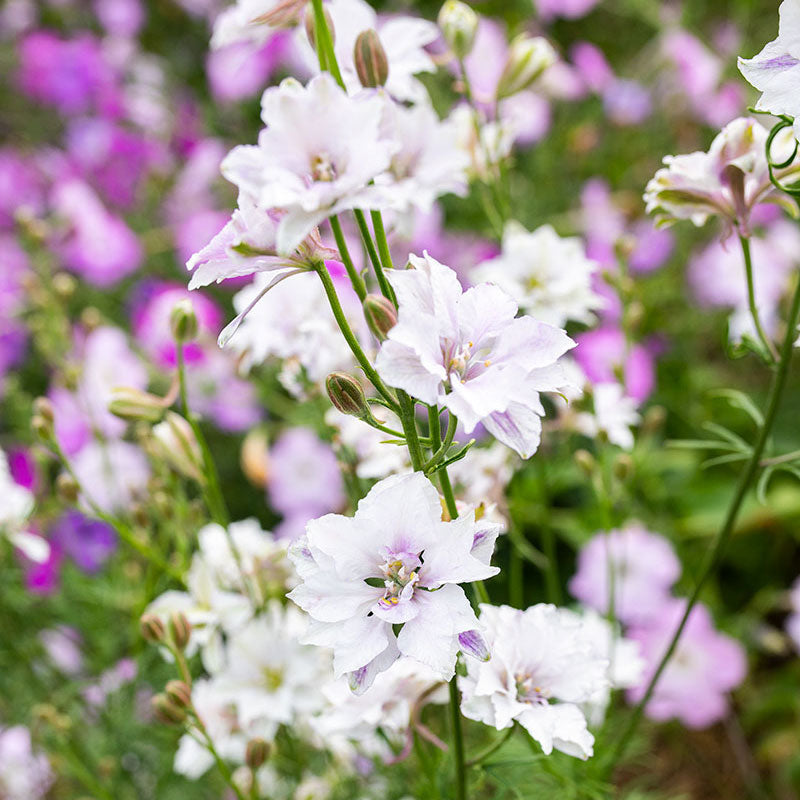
<point x="136" y="405"/>
<point x="257" y="753"/>
<point x="372" y="66"/>
<point x="175" y="442"/>
<point x="380" y="314"/>
<point x="180" y="693"/>
<point x="183" y="321"/>
<point x="346" y="394"/>
<point x="152" y="628"/>
<point x="586" y="461"/>
<point x="254" y="458"/>
<point x="91" y="318"/>
<point x="44" y="408"/>
<point x="180" y="629"/>
<point x="528" y="58"/>
<point x="459" y="24"/>
<point x="67" y="488"/>
<point x="310" y="25"/>
<point x="43" y="428"/>
<point x="166" y="711"/>
<point x="623" y="466"/>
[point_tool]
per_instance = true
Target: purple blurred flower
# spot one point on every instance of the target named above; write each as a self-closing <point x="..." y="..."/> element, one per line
<point x="20" y="186"/>
<point x="120" y="17"/>
<point x="627" y="102"/>
<point x="63" y="646"/>
<point x="71" y="74"/>
<point x="88" y="542"/>
<point x="591" y="65"/>
<point x="571" y="9"/>
<point x="793" y="620"/>
<point x="653" y="246"/>
<point x="99" y="246"/>
<point x="24" y="773"/>
<point x="194" y="231"/>
<point x="22" y="468"/>
<point x="706" y="665"/>
<point x="605" y="357"/>
<point x="43" y="578"/>
<point x="644" y="567"/>
<point x="304" y="476"/>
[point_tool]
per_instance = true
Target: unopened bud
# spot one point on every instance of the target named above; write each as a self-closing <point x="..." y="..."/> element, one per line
<point x="372" y="66"/>
<point x="135" y="405"/>
<point x="380" y="314"/>
<point x="64" y="285"/>
<point x="459" y="24"/>
<point x="44" y="408"/>
<point x="166" y="711"/>
<point x="42" y="428"/>
<point x="310" y="25"/>
<point x="183" y="321"/>
<point x="91" y="318"/>
<point x="180" y="693"/>
<point x="67" y="488"/>
<point x="152" y="628"/>
<point x="623" y="466"/>
<point x="175" y="442"/>
<point x="586" y="461"/>
<point x="180" y="630"/>
<point x="255" y="458"/>
<point x="346" y="394"/>
<point x="257" y="753"/>
<point x="528" y="58"/>
<point x="654" y="419"/>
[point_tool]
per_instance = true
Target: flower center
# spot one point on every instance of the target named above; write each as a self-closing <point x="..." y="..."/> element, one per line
<point x="273" y="678"/>
<point x="466" y="361"/>
<point x="322" y="168"/>
<point x="529" y="692"/>
<point x="401" y="575"/>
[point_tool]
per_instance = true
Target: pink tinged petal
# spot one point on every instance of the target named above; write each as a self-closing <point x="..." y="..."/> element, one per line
<point x="484" y="539"/>
<point x="400" y="366"/>
<point x="473" y="400"/>
<point x="449" y="559"/>
<point x="328" y="599"/>
<point x="361" y="679"/>
<point x="296" y="225"/>
<point x="485" y="311"/>
<point x="355" y="642"/>
<point x="473" y="644"/>
<point x="348" y="544"/>
<point x="530" y="344"/>
<point x="518" y="427"/>
<point x="396" y="613"/>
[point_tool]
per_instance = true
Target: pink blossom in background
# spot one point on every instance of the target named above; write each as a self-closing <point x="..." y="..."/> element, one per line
<point x="570" y="9"/>
<point x="113" y="473"/>
<point x="23" y="468"/>
<point x="24" y="773"/>
<point x="63" y="647"/>
<point x="120" y="17"/>
<point x="604" y="356"/>
<point x="644" y="566"/>
<point x="44" y="578"/>
<point x="72" y="426"/>
<point x="72" y="75"/>
<point x="20" y="186"/>
<point x="793" y="620"/>
<point x="627" y="102"/>
<point x="705" y="667"/>
<point x="529" y="116"/>
<point x="485" y="62"/>
<point x="97" y="245"/>
<point x="591" y="65"/>
<point x="242" y="70"/>
<point x="652" y="246"/>
<point x="88" y="542"/>
<point x="151" y="322"/>
<point x="13" y="334"/>
<point x="194" y="231"/>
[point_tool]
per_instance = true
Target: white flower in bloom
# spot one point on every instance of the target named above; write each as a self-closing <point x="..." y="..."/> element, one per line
<point x="376" y="458"/>
<point x="384" y="711"/>
<point x="16" y="505"/>
<point x="294" y="323"/>
<point x="614" y="415"/>
<point x="544" y="665"/>
<point x="316" y="157"/>
<point x="429" y="162"/>
<point x="395" y="563"/>
<point x="548" y="275"/>
<point x="269" y="677"/>
<point x="247" y="244"/>
<point x="24" y="773"/>
<point x="485" y="146"/>
<point x="729" y="180"/>
<point x="403" y="39"/>
<point x="237" y="22"/>
<point x="775" y="71"/>
<point x="469" y="352"/>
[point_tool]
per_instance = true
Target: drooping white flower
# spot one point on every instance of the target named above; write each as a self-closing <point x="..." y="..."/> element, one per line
<point x="403" y="38"/>
<point x="614" y="414"/>
<point x="544" y="665"/>
<point x="549" y="276"/>
<point x="395" y="563"/>
<point x="254" y="21"/>
<point x="316" y="157"/>
<point x="775" y="71"/>
<point x="469" y="352"/>
<point x="16" y="505"/>
<point x="727" y="181"/>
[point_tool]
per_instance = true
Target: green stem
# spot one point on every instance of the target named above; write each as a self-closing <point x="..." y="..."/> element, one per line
<point x="491" y="749"/>
<point x="552" y="580"/>
<point x="350" y="337"/>
<point x="325" y="51"/>
<point x="717" y="549"/>
<point x="458" y="743"/>
<point x="409" y="421"/>
<point x="357" y="281"/>
<point x="443" y="447"/>
<point x="385" y="255"/>
<point x="751" y="300"/>
<point x="374" y="258"/>
<point x="515" y="593"/>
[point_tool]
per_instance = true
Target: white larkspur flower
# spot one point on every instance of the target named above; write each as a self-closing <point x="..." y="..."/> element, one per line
<point x="486" y="144"/>
<point x="394" y="563"/>
<point x="403" y="38"/>
<point x="254" y="21"/>
<point x="549" y="276"/>
<point x="316" y="157"/>
<point x="468" y="351"/>
<point x="539" y="655"/>
<point x="728" y="181"/>
<point x="614" y="415"/>
<point x="16" y="505"/>
<point x="429" y="162"/>
<point x="775" y="71"/>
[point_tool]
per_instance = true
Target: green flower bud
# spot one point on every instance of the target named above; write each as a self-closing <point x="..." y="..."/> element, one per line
<point x="528" y="58"/>
<point x="257" y="753"/>
<point x="372" y="66"/>
<point x="380" y="314"/>
<point x="346" y="394"/>
<point x="135" y="405"/>
<point x="44" y="408"/>
<point x="180" y="693"/>
<point x="166" y="711"/>
<point x="183" y="321"/>
<point x="152" y="628"/>
<point x="180" y="630"/>
<point x="174" y="441"/>
<point x="459" y="24"/>
<point x="67" y="488"/>
<point x="310" y="25"/>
